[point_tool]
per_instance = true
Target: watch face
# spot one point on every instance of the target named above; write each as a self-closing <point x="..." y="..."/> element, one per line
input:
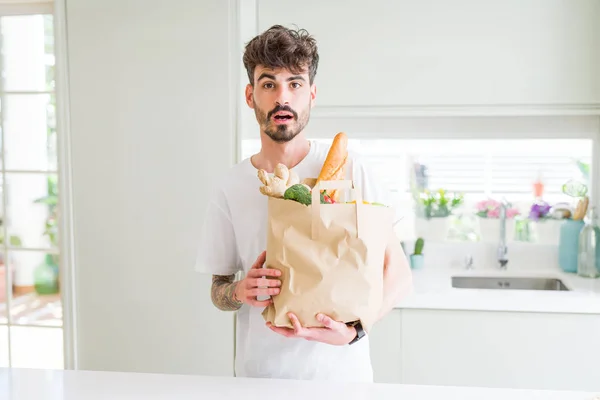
<point x="359" y="332"/>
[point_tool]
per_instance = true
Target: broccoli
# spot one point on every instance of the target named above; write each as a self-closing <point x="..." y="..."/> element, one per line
<point x="302" y="194"/>
<point x="299" y="193"/>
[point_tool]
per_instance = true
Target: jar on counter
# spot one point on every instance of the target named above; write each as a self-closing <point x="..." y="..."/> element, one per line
<point x="588" y="259"/>
<point x="568" y="244"/>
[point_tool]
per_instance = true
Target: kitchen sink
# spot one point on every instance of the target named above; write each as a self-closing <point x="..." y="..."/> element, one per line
<point x="514" y="283"/>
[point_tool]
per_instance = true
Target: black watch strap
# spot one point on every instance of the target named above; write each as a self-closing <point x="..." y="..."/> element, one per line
<point x="360" y="332"/>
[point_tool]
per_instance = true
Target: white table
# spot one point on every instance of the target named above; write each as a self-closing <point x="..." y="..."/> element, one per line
<point x="30" y="384"/>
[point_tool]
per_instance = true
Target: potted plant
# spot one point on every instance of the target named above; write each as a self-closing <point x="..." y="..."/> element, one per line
<point x="433" y="210"/>
<point x="546" y="226"/>
<point x="46" y="275"/>
<point x="417" y="258"/>
<point x="488" y="212"/>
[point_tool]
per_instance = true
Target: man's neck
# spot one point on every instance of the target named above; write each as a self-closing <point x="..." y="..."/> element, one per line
<point x="272" y="153"/>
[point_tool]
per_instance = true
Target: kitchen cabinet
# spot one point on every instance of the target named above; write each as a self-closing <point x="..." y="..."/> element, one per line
<point x="465" y="53"/>
<point x="385" y="341"/>
<point x="554" y="351"/>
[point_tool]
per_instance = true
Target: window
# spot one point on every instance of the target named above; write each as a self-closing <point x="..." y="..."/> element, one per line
<point x="30" y="302"/>
<point x="472" y="171"/>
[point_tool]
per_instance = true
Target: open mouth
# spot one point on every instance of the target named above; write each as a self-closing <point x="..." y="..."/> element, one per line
<point x="283" y="117"/>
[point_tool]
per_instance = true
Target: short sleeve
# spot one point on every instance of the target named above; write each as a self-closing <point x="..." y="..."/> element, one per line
<point x="373" y="186"/>
<point x="217" y="250"/>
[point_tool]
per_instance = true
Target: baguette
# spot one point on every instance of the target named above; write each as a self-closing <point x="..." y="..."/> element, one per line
<point x="336" y="157"/>
<point x="581" y="210"/>
<point x="335" y="162"/>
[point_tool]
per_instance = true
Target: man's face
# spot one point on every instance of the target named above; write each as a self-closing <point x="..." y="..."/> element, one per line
<point x="281" y="101"/>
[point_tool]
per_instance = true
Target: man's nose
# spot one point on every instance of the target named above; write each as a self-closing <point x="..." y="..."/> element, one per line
<point x="283" y="96"/>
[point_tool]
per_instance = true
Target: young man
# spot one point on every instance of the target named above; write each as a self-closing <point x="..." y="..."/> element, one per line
<point x="281" y="65"/>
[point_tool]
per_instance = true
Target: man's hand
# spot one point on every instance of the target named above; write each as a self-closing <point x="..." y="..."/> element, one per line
<point x="334" y="333"/>
<point x="255" y="284"/>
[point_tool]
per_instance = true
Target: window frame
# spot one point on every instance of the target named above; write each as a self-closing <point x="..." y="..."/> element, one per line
<point x="26" y="7"/>
<point x="9" y="8"/>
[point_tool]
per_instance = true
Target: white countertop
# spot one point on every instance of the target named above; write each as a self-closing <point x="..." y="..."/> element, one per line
<point x="24" y="384"/>
<point x="433" y="290"/>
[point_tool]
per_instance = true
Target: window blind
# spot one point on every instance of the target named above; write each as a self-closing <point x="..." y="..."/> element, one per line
<point x="477" y="168"/>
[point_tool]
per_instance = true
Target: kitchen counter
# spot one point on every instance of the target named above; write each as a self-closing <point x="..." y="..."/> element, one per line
<point x="25" y="384"/>
<point x="433" y="290"/>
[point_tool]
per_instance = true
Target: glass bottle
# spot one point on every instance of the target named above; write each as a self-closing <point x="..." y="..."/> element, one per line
<point x="46" y="277"/>
<point x="588" y="259"/>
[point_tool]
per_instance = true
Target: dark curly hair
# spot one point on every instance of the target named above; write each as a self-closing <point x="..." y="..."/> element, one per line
<point x="280" y="47"/>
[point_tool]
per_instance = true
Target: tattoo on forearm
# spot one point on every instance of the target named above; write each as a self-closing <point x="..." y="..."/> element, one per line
<point x="222" y="291"/>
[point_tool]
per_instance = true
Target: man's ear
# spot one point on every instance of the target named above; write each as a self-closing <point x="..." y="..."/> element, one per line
<point x="313" y="95"/>
<point x="249" y="97"/>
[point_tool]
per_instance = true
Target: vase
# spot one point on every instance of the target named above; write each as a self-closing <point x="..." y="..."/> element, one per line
<point x="568" y="245"/>
<point x="46" y="277"/>
<point x="433" y="229"/>
<point x="588" y="257"/>
<point x="417" y="261"/>
<point x="523" y="230"/>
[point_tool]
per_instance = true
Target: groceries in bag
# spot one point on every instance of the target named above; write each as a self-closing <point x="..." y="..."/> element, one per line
<point x="330" y="250"/>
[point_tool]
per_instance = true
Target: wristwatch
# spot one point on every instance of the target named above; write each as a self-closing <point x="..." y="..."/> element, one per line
<point x="360" y="332"/>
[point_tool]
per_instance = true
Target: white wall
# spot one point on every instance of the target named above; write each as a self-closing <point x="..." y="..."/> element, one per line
<point x="463" y="52"/>
<point x="152" y="124"/>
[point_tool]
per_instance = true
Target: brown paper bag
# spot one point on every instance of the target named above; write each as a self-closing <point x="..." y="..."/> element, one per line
<point x="331" y="257"/>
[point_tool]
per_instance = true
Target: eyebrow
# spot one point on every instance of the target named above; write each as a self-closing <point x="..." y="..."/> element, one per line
<point x="265" y="75"/>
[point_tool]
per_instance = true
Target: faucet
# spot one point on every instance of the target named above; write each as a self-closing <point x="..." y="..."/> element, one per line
<point x="468" y="262"/>
<point x="502" y="248"/>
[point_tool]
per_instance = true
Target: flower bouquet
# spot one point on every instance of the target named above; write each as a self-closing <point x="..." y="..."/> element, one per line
<point x="545" y="225"/>
<point x="488" y="212"/>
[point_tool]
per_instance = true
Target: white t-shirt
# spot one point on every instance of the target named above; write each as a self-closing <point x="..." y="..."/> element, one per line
<point x="234" y="234"/>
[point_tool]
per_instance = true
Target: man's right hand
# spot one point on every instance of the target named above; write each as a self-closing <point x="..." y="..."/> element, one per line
<point x="256" y="284"/>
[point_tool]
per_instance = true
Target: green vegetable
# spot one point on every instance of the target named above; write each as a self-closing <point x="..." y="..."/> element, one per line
<point x="299" y="193"/>
<point x="302" y="194"/>
<point x="419" y="246"/>
<point x="575" y="188"/>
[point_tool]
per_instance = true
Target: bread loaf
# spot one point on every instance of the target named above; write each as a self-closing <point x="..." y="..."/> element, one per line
<point x="335" y="163"/>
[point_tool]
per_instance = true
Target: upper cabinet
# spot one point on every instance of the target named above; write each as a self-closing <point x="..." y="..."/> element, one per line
<point x="382" y="53"/>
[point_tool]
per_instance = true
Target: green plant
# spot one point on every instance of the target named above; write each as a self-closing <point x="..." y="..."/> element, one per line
<point x="14" y="241"/>
<point x="439" y="203"/>
<point x="584" y="168"/>
<point x="51" y="223"/>
<point x="51" y="200"/>
<point x="419" y="243"/>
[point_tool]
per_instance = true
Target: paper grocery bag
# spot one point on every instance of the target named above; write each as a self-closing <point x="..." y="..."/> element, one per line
<point x="331" y="257"/>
